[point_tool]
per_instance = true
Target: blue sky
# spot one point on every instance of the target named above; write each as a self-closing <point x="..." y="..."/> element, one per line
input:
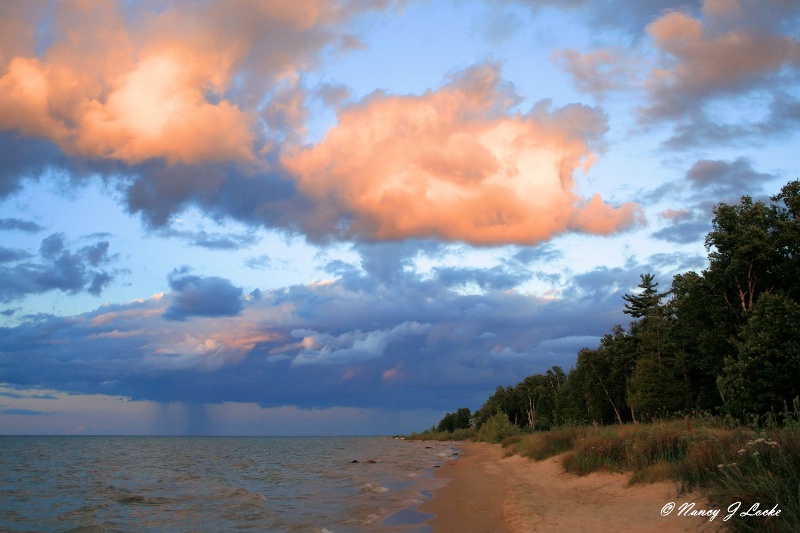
<point x="350" y="217"/>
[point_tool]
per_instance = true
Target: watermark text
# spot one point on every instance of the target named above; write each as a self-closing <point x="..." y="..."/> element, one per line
<point x="690" y="509"/>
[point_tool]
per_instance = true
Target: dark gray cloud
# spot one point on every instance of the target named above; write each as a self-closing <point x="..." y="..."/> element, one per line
<point x="683" y="232"/>
<point x="676" y="262"/>
<point x="537" y="254"/>
<point x="720" y="180"/>
<point x="29" y="159"/>
<point x="8" y="255"/>
<point x="724" y="178"/>
<point x="202" y="296"/>
<point x="495" y="278"/>
<point x="22" y="159"/>
<point x="780" y="120"/>
<point x="379" y="337"/>
<point x="27" y="412"/>
<point x="16" y="224"/>
<point x="259" y="262"/>
<point x="36" y="396"/>
<point x="214" y="241"/>
<point x="157" y="192"/>
<point x="58" y="269"/>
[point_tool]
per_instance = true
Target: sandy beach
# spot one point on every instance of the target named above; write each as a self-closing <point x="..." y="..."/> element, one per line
<point x="488" y="492"/>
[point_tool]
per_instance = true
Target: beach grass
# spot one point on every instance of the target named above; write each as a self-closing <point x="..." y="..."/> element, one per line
<point x="758" y="462"/>
<point x="755" y="461"/>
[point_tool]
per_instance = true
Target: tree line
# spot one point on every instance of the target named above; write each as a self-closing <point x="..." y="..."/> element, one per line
<point x="725" y="340"/>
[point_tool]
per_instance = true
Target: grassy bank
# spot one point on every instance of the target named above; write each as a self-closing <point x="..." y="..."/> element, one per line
<point x="725" y="460"/>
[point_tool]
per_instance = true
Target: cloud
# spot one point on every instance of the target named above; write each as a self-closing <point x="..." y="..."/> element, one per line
<point x="676" y="263"/>
<point x="188" y="108"/>
<point x="202" y="296"/>
<point x="350" y="347"/>
<point x="153" y="107"/>
<point x="494" y="278"/>
<point x="457" y="164"/>
<point x="683" y="232"/>
<point x="718" y="55"/>
<point x="600" y="71"/>
<point x="201" y="353"/>
<point x="59" y="269"/>
<point x="9" y="255"/>
<point x="178" y="83"/>
<point x="735" y="48"/>
<point x="630" y="17"/>
<point x="379" y="338"/>
<point x="27" y="412"/>
<point x="214" y="241"/>
<point x="724" y="178"/>
<point x="16" y="224"/>
<point x="542" y="253"/>
<point x="780" y="118"/>
<point x="101" y="414"/>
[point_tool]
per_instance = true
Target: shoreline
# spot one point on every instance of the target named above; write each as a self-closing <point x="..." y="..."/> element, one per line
<point x="489" y="492"/>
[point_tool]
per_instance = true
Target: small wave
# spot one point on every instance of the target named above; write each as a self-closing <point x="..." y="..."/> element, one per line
<point x="370" y="519"/>
<point x="375" y="488"/>
<point x="240" y="492"/>
<point x="137" y="499"/>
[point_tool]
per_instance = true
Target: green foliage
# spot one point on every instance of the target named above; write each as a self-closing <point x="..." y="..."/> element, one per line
<point x="497" y="428"/>
<point x="434" y="434"/>
<point x="537" y="396"/>
<point x="657" y="389"/>
<point x="648" y="302"/>
<point x="763" y="376"/>
<point x="701" y="335"/>
<point x="602" y="376"/>
<point x="455" y="421"/>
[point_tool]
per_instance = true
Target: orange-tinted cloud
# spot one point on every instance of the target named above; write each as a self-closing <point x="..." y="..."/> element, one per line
<point x="725" y="52"/>
<point x="181" y="82"/>
<point x="599" y="71"/>
<point x="457" y="164"/>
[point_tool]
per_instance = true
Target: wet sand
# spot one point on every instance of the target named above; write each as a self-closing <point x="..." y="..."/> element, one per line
<point x="489" y="492"/>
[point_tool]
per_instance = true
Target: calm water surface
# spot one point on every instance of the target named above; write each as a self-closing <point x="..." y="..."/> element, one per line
<point x="213" y="484"/>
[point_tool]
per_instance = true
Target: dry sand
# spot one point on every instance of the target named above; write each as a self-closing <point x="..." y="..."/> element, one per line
<point x="489" y="492"/>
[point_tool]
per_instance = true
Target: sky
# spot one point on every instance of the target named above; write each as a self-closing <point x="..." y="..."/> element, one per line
<point x="307" y="217"/>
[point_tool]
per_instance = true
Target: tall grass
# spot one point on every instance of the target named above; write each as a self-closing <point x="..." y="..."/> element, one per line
<point x="756" y="462"/>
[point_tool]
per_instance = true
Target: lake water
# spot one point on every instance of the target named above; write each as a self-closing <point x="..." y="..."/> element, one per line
<point x="214" y="484"/>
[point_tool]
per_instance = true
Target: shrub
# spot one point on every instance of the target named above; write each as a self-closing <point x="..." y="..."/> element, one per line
<point x="497" y="428"/>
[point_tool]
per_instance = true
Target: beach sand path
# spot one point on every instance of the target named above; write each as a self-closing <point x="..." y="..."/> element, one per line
<point x="489" y="492"/>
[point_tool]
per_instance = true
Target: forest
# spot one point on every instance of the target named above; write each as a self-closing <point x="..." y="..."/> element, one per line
<point x="724" y="341"/>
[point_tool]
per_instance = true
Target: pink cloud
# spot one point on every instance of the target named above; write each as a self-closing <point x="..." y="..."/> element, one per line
<point x="676" y="215"/>
<point x="459" y="164"/>
<point x="162" y="85"/>
<point x="599" y="71"/>
<point x="720" y="53"/>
